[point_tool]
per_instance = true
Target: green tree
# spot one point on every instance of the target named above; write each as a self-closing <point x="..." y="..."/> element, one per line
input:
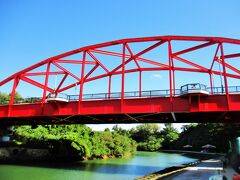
<point x="169" y="134"/>
<point x="77" y="140"/>
<point x="147" y="136"/>
<point x="152" y="144"/>
<point x="141" y="133"/>
<point x="217" y="134"/>
<point x="4" y="98"/>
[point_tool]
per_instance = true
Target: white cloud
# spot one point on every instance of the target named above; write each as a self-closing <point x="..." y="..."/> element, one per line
<point x="158" y="76"/>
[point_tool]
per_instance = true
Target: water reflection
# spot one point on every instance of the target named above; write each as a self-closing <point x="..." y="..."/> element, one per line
<point x="121" y="168"/>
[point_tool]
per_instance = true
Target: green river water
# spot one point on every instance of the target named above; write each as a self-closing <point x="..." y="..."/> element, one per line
<point x="113" y="169"/>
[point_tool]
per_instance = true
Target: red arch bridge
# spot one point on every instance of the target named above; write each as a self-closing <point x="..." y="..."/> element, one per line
<point x="198" y="80"/>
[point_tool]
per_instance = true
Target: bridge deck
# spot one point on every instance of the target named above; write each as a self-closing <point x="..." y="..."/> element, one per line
<point x="131" y="110"/>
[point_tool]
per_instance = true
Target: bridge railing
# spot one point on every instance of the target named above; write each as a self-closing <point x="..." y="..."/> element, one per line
<point x="150" y="93"/>
<point x="130" y="94"/>
<point x="221" y="90"/>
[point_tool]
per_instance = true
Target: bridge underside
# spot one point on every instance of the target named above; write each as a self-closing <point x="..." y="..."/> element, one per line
<point x="198" y="117"/>
<point x="212" y="108"/>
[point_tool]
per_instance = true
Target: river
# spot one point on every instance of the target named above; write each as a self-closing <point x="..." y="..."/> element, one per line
<point x="117" y="169"/>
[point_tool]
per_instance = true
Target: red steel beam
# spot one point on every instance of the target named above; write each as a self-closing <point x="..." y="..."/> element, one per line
<point x="142" y="69"/>
<point x="46" y="82"/>
<point x="15" y="84"/>
<point x="224" y="74"/>
<point x="190" y="70"/>
<point x="123" y="76"/>
<point x="227" y="74"/>
<point x="91" y="71"/>
<point x="139" y="54"/>
<point x="193" y="48"/>
<point x="189" y="63"/>
<point x="30" y="81"/>
<point x="153" y="62"/>
<point x="150" y="69"/>
<point x="228" y="66"/>
<point x="205" y="71"/>
<point x="215" y="55"/>
<point x="68" y="87"/>
<point x="66" y="71"/>
<point x="74" y="61"/>
<point x="131" y="53"/>
<point x="24" y="71"/>
<point x="62" y="81"/>
<point x="82" y="79"/>
<point x="98" y="62"/>
<point x="161" y="38"/>
<point x="128" y="56"/>
<point x="211" y="82"/>
<point x="42" y="73"/>
<point x="232" y="56"/>
<point x="106" y="75"/>
<point x="130" y="40"/>
<point x="170" y="69"/>
<point x="171" y="66"/>
<point x="151" y="106"/>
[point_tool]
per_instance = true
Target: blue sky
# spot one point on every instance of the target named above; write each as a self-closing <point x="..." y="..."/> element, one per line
<point x="32" y="30"/>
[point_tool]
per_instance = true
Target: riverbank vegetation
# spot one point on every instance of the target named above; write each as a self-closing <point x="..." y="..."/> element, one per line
<point x="150" y="137"/>
<point x="76" y="140"/>
<point x="217" y="134"/>
<point x="81" y="141"/>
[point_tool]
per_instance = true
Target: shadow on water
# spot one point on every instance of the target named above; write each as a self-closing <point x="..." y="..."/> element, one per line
<point x="114" y="168"/>
<point x="104" y="168"/>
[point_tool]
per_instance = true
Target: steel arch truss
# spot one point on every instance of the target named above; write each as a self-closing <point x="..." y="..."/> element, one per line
<point x="127" y="56"/>
<point x="90" y="61"/>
